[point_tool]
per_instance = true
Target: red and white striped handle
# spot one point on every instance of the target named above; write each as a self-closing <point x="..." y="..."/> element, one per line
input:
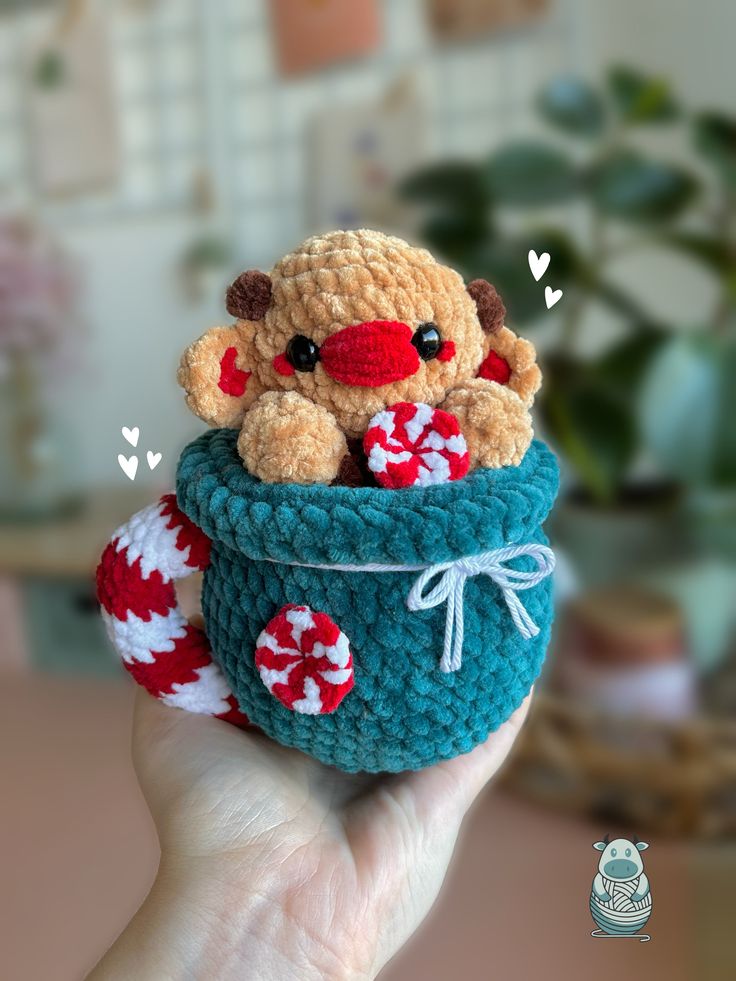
<point x="135" y="587"/>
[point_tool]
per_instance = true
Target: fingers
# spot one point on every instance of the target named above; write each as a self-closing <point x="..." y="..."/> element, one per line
<point x="475" y="769"/>
<point x="454" y="784"/>
<point x="174" y="745"/>
<point x="166" y="739"/>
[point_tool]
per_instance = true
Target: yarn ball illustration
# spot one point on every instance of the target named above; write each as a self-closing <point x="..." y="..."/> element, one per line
<point x="621" y="915"/>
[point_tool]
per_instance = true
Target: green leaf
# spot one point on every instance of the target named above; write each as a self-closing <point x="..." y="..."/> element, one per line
<point x="572" y="105"/>
<point x="680" y="407"/>
<point x="711" y="252"/>
<point x="594" y="430"/>
<point x="454" y="185"/>
<point x="623" y="367"/>
<point x="529" y="173"/>
<point x="724" y="463"/>
<point x="626" y="185"/>
<point x="50" y="69"/>
<point x="715" y="139"/>
<point x="616" y="298"/>
<point x="641" y="98"/>
<point x="455" y="234"/>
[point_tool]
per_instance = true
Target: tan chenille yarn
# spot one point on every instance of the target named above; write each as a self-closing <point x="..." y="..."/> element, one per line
<point x="338" y="280"/>
<point x="494" y="420"/>
<point x="286" y="439"/>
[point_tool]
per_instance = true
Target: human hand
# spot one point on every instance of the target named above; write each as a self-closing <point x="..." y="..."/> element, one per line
<point x="275" y="866"/>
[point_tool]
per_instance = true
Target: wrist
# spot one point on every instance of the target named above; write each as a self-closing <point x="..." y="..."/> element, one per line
<point x="203" y="923"/>
<point x="238" y="923"/>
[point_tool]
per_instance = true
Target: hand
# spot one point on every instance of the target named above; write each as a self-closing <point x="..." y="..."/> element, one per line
<point x="275" y="866"/>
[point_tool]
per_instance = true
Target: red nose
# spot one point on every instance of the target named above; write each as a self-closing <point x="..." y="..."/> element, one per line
<point x="371" y="354"/>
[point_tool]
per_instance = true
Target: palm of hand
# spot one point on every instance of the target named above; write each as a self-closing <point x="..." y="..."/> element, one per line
<point x="345" y="865"/>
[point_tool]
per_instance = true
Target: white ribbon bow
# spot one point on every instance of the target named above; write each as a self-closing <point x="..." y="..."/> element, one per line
<point x="450" y="587"/>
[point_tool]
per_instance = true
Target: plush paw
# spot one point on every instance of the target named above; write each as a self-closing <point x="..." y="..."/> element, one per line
<point x="286" y="439"/>
<point x="216" y="374"/>
<point x="511" y="360"/>
<point x="494" y="420"/>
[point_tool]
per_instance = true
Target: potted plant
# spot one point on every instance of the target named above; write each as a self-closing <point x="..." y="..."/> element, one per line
<point x="588" y="196"/>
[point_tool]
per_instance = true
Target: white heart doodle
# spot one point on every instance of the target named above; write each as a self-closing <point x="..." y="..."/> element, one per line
<point x="131" y="435"/>
<point x="551" y="296"/>
<point x="538" y="264"/>
<point x="128" y="466"/>
<point x="153" y="459"/>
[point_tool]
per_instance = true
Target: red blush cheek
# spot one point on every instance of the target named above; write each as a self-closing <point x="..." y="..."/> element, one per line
<point x="495" y="369"/>
<point x="446" y="351"/>
<point x="233" y="380"/>
<point x="283" y="366"/>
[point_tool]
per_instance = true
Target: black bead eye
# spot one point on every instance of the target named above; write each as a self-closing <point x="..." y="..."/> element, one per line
<point x="427" y="341"/>
<point x="302" y="352"/>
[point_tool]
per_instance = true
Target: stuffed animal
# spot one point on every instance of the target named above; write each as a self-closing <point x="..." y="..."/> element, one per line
<point x="367" y="514"/>
<point x="347" y="326"/>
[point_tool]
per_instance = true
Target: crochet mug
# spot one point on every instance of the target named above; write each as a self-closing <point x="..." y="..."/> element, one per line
<point x="376" y="630"/>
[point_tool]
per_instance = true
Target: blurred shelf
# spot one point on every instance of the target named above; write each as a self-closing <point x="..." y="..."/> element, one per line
<point x="655" y="777"/>
<point x="69" y="547"/>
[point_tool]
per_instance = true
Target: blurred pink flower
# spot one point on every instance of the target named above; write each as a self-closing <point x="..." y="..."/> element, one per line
<point x="39" y="291"/>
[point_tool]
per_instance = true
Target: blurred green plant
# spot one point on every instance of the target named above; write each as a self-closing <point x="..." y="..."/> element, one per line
<point x="600" y="410"/>
<point x="50" y="70"/>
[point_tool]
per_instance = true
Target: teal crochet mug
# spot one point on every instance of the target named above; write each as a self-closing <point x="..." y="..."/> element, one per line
<point x="441" y="593"/>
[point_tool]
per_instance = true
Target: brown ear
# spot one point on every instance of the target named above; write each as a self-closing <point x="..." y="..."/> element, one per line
<point x="216" y="372"/>
<point x="249" y="297"/>
<point x="491" y="311"/>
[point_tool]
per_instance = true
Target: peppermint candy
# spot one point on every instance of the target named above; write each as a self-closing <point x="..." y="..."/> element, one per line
<point x="304" y="660"/>
<point x="410" y="444"/>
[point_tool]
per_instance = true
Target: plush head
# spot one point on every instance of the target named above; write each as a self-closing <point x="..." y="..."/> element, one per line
<point x="354" y="322"/>
<point x="620" y="858"/>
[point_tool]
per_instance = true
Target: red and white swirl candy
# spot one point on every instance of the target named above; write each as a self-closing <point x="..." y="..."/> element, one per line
<point x="410" y="444"/>
<point x="135" y="587"/>
<point x="304" y="660"/>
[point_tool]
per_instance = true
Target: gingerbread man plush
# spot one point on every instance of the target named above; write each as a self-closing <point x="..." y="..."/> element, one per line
<point x="348" y="327"/>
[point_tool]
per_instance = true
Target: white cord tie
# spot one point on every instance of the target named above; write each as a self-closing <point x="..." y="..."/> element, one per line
<point x="450" y="587"/>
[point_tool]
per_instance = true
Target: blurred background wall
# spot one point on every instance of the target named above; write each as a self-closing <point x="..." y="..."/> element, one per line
<point x="152" y="149"/>
<point x="214" y="142"/>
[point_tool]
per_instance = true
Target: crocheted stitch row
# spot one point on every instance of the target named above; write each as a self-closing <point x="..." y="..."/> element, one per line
<point x="403" y="713"/>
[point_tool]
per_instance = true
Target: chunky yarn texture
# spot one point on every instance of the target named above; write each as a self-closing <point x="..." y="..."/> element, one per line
<point x="357" y="304"/>
<point x="403" y="712"/>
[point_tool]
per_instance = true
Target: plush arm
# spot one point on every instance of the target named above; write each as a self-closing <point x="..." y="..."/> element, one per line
<point x="286" y="438"/>
<point x="216" y="373"/>
<point x="511" y="361"/>
<point x="494" y="421"/>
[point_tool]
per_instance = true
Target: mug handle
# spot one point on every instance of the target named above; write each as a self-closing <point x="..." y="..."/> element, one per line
<point x="164" y="653"/>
